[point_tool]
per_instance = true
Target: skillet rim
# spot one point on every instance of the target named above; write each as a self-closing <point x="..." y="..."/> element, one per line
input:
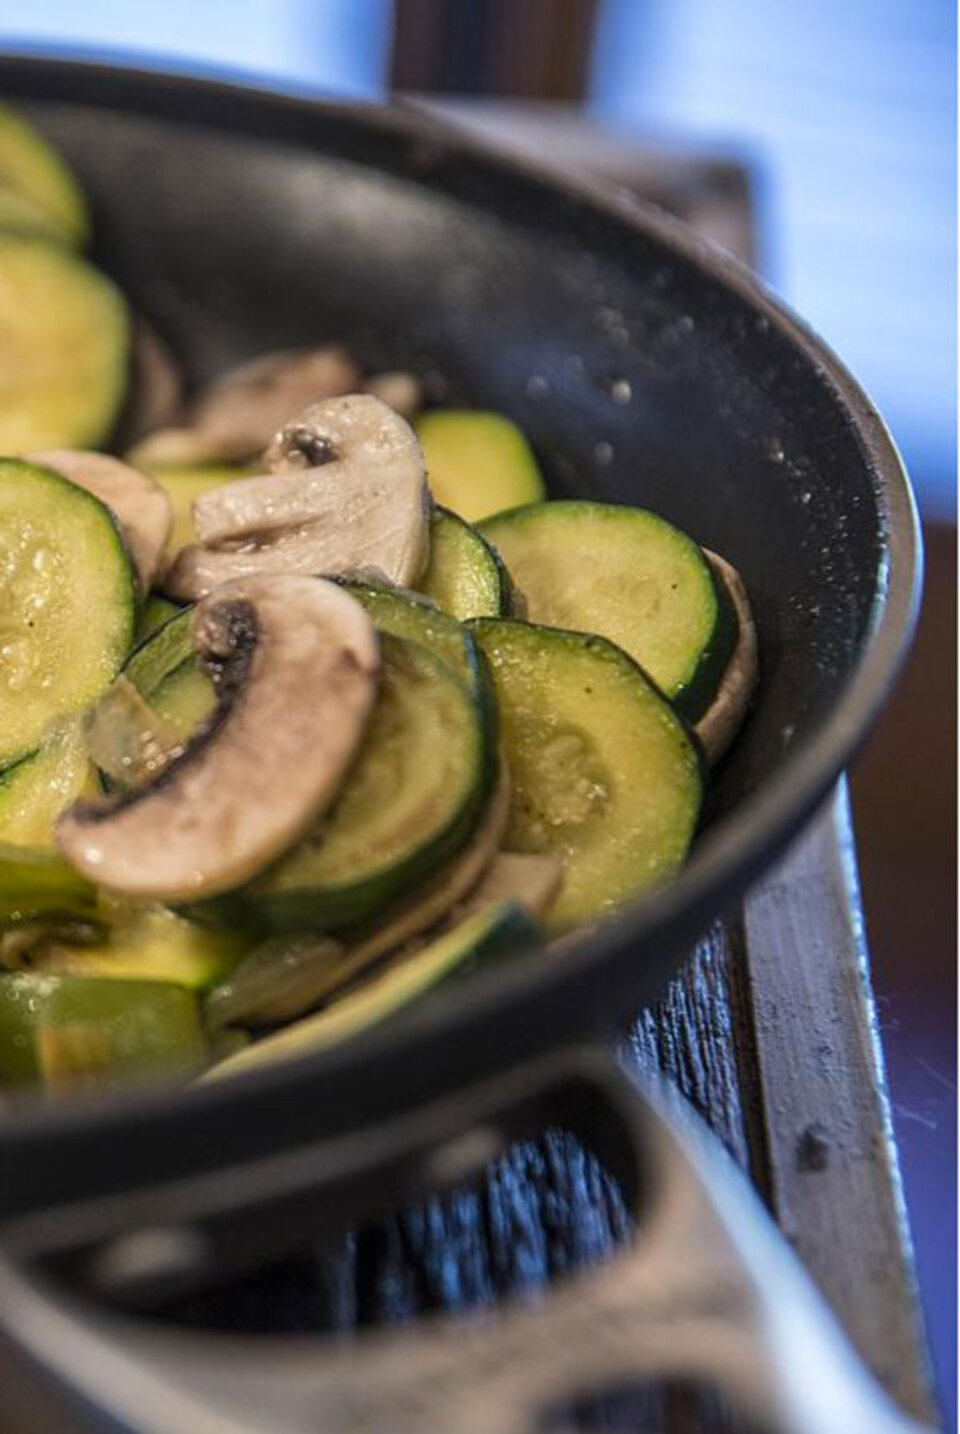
<point x="728" y="856"/>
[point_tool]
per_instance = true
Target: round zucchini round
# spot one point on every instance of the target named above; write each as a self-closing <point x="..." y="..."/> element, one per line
<point x="628" y="575"/>
<point x="603" y="771"/>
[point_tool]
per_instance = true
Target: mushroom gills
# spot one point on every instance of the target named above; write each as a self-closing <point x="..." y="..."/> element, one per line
<point x="347" y="491"/>
<point x="295" y="666"/>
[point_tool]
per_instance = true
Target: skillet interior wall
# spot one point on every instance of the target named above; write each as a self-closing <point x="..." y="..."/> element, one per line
<point x="661" y="390"/>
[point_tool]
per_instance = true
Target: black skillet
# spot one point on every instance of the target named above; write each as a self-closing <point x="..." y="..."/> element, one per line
<point x="240" y="222"/>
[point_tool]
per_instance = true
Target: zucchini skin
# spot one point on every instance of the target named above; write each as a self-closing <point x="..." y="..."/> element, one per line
<point x="276" y="902"/>
<point x="605" y="773"/>
<point x="629" y="575"/>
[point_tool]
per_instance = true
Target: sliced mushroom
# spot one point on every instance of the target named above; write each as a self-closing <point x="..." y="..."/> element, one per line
<point x="724" y="717"/>
<point x="156" y="389"/>
<point x="295" y="664"/>
<point x="348" y="491"/>
<point x="288" y="976"/>
<point x="239" y="413"/>
<point x="172" y="448"/>
<point x="531" y="879"/>
<point x="401" y="391"/>
<point x="138" y="503"/>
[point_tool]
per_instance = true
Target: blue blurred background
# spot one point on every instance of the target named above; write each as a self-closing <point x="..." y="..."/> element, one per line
<point x="844" y="113"/>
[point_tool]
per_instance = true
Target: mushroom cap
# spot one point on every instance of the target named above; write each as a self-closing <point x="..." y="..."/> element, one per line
<point x="348" y="492"/>
<point x="295" y="661"/>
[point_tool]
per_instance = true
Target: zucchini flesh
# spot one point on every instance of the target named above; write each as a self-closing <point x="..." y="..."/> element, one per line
<point x="36" y="884"/>
<point x="34" y="171"/>
<point x="499" y="932"/>
<point x="68" y="600"/>
<point x="70" y="1031"/>
<point x="603" y="771"/>
<point x="477" y="463"/>
<point x="157" y="612"/>
<point x="36" y="790"/>
<point x="413" y="799"/>
<point x="465" y="576"/>
<point x="628" y="575"/>
<point x="406" y="615"/>
<point x="64" y="357"/>
<point x="148" y="943"/>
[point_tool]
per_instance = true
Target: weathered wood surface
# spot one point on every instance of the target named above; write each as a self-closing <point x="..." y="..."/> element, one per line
<point x="770" y="1032"/>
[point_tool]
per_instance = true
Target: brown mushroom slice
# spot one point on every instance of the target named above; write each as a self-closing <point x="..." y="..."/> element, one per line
<point x="138" y="502"/>
<point x="723" y="718"/>
<point x="156" y="389"/>
<point x="348" y="492"/>
<point x="399" y="390"/>
<point x="530" y="879"/>
<point x="239" y="413"/>
<point x="295" y="664"/>
<point x="172" y="448"/>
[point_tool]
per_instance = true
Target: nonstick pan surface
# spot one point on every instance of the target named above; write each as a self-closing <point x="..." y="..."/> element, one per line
<point x="238" y="222"/>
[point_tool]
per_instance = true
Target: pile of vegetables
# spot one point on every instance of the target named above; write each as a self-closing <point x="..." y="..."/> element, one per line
<point x="312" y="700"/>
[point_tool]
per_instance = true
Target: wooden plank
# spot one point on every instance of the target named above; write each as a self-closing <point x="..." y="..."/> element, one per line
<point x="835" y="1182"/>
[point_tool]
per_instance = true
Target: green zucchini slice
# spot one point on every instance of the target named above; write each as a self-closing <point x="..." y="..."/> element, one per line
<point x="413" y="799"/>
<point x="465" y="576"/>
<point x="157" y="612"/>
<point x="71" y="1031"/>
<point x="603" y="771"/>
<point x="36" y="883"/>
<point x="627" y="575"/>
<point x="34" y="171"/>
<point x="500" y="932"/>
<point x="68" y="600"/>
<point x="35" y="790"/>
<point x="477" y="463"/>
<point x="65" y="350"/>
<point x="147" y="943"/>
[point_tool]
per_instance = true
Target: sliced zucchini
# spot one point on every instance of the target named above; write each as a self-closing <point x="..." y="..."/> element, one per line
<point x="406" y="615"/>
<point x="157" y="612"/>
<point x="67" y="602"/>
<point x="165" y="671"/>
<point x="148" y="943"/>
<point x="477" y="463"/>
<point x="36" y="789"/>
<point x="627" y="575"/>
<point x="603" y="771"/>
<point x="19" y="215"/>
<point x="31" y="168"/>
<point x="70" y="1031"/>
<point x="287" y="976"/>
<point x="35" y="883"/>
<point x="413" y="799"/>
<point x="498" y="933"/>
<point x="64" y="357"/>
<point x="465" y="576"/>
